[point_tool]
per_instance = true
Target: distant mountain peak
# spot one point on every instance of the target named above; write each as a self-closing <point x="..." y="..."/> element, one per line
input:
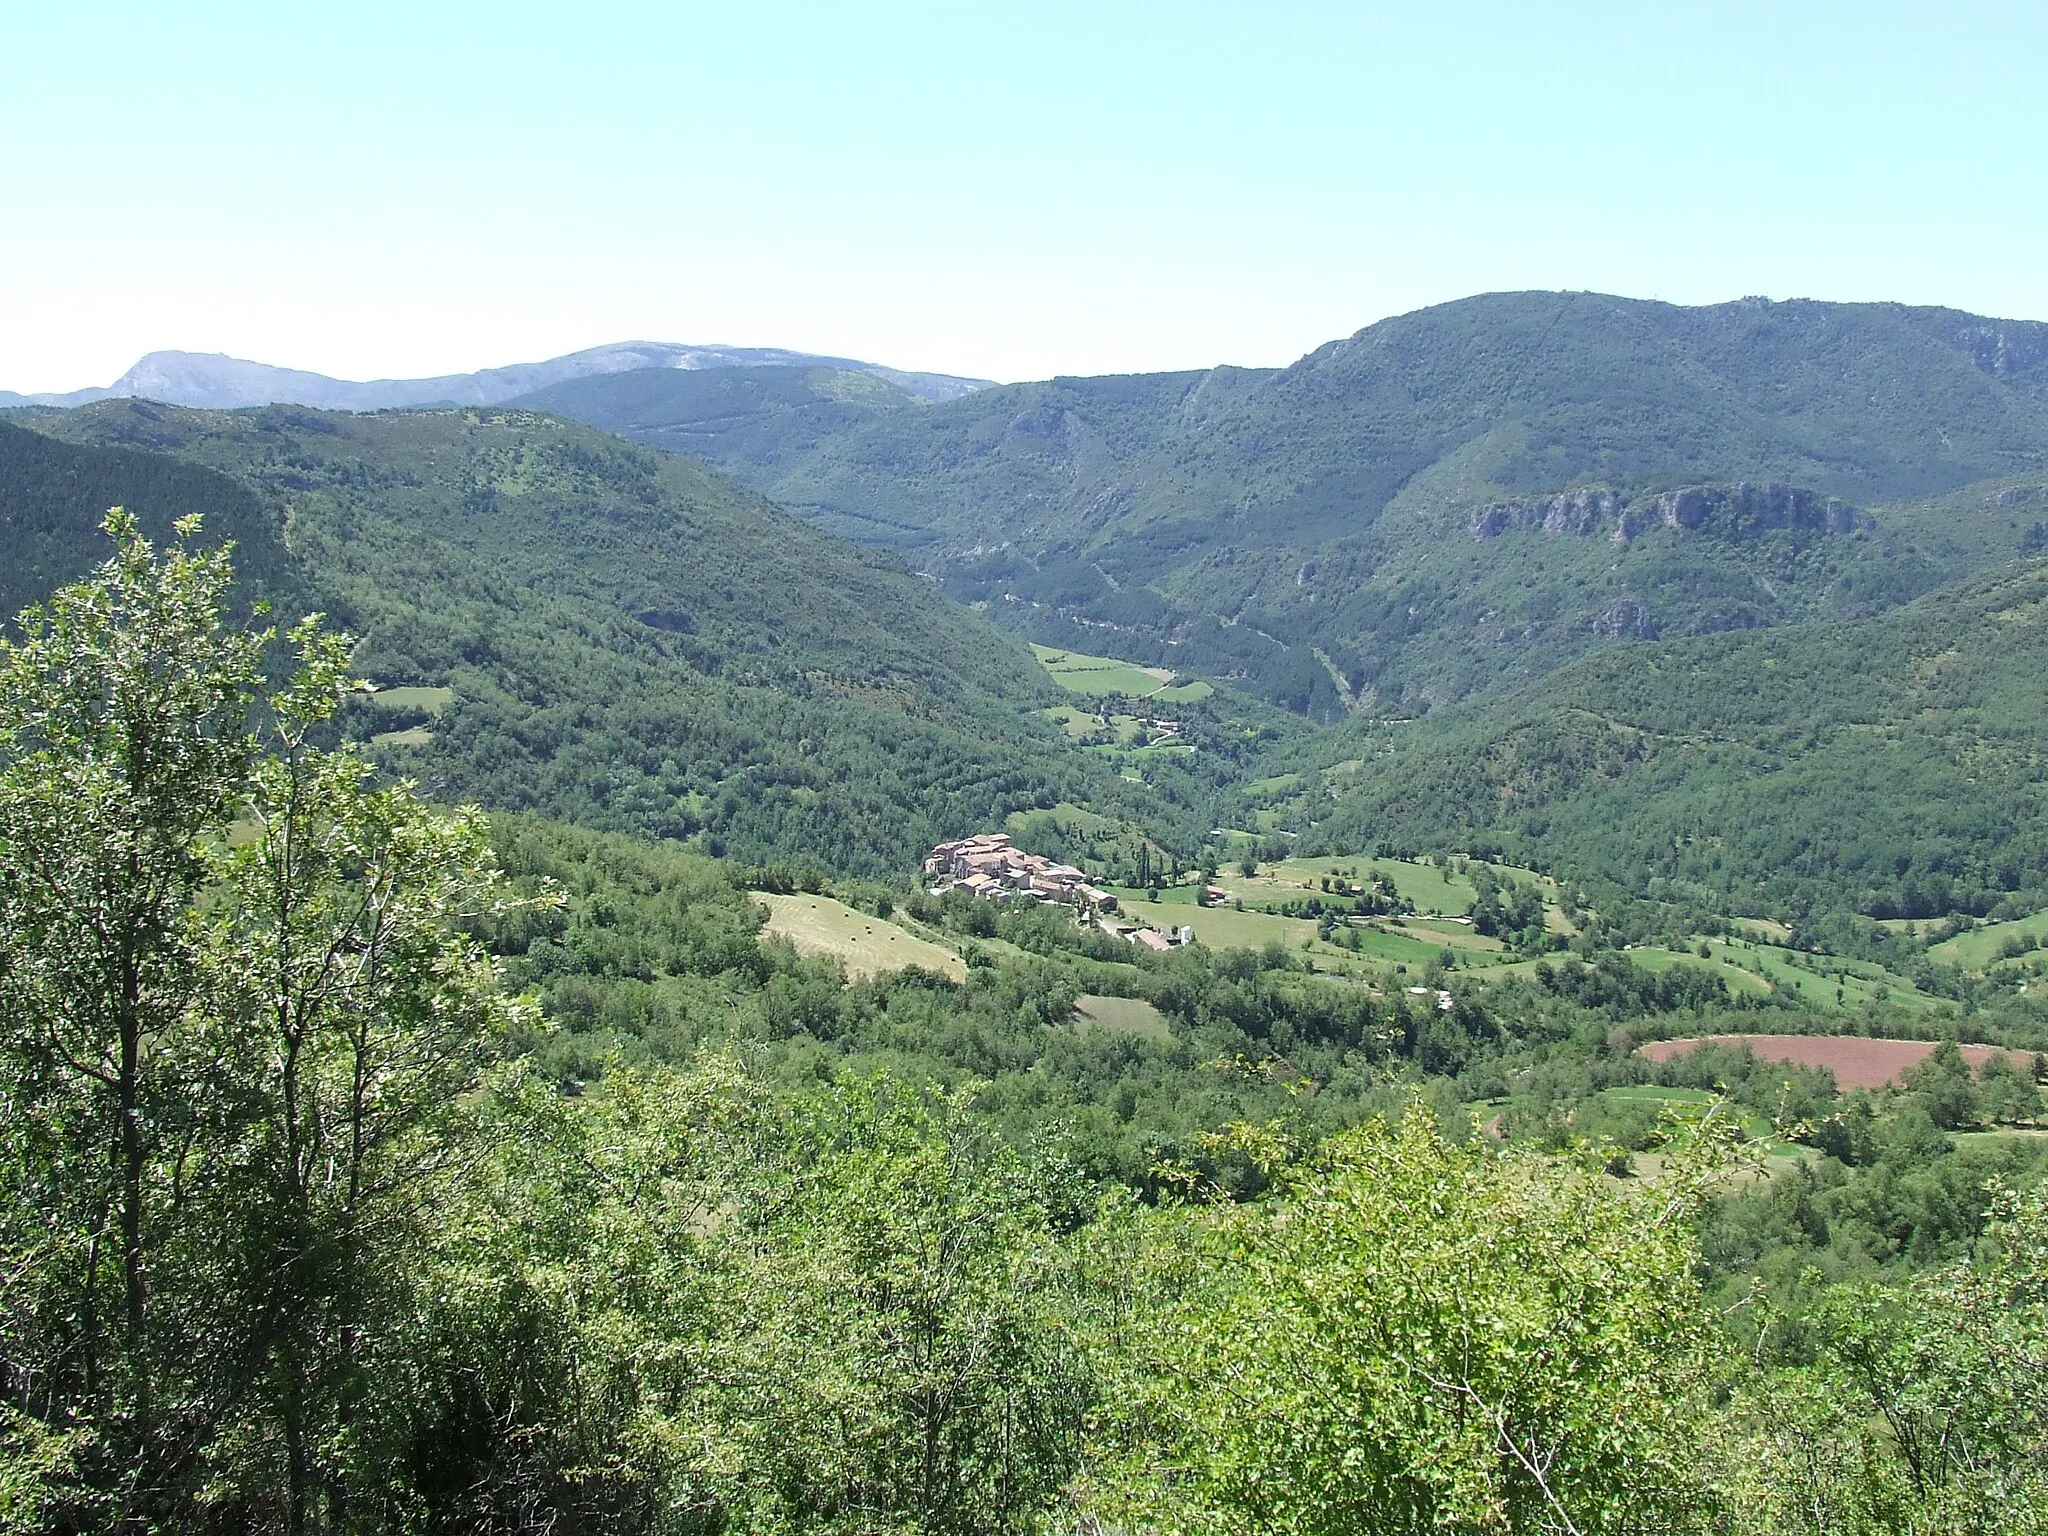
<point x="216" y="381"/>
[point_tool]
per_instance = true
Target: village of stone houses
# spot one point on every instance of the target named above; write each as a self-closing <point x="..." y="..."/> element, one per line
<point x="990" y="866"/>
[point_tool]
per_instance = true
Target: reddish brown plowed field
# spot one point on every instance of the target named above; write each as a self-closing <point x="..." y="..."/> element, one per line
<point x="1856" y="1063"/>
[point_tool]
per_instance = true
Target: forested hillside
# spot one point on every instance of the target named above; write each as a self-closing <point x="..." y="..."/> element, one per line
<point x="1892" y="767"/>
<point x="53" y="495"/>
<point x="567" y="623"/>
<point x="1390" y="501"/>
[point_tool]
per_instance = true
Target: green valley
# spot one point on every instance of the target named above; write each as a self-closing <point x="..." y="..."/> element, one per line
<point x="997" y="771"/>
<point x="1466" y="860"/>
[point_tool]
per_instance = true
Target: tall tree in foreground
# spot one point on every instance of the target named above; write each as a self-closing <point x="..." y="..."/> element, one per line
<point x="354" y="1015"/>
<point x="124" y="747"/>
<point x="240" y="1019"/>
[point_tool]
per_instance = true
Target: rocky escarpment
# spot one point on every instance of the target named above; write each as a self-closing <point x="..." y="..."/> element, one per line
<point x="1733" y="510"/>
<point x="1580" y="512"/>
<point x="1747" y="508"/>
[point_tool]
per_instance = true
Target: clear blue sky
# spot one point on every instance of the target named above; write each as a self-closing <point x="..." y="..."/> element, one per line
<point x="1012" y="191"/>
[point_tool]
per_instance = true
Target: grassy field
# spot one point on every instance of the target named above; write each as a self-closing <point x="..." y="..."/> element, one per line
<point x="1979" y="948"/>
<point x="2004" y="1133"/>
<point x="1411" y="946"/>
<point x="1118" y="735"/>
<point x="1861" y="984"/>
<point x="1169" y="895"/>
<point x="1099" y="675"/>
<point x="429" y="700"/>
<point x="1448" y="933"/>
<point x="1079" y="724"/>
<point x="1122" y="1015"/>
<point x="404" y="701"/>
<point x="868" y="946"/>
<point x="1433" y="888"/>
<point x="1739" y="980"/>
<point x="1280" y="784"/>
<point x="1223" y="928"/>
<point x="1753" y="967"/>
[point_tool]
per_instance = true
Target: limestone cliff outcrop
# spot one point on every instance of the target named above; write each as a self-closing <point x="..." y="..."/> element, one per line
<point x="1729" y="509"/>
<point x="1743" y="508"/>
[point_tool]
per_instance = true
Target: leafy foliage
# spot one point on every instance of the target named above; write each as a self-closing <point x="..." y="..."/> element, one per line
<point x="240" y="1019"/>
<point x="1528" y="1357"/>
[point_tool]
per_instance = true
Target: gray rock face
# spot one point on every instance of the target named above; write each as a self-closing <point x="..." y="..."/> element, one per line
<point x="1624" y="620"/>
<point x="1579" y="512"/>
<point x="211" y="380"/>
<point x="1731" y="509"/>
<point x="1742" y="508"/>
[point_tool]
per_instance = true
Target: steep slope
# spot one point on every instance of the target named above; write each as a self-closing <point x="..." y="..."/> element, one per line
<point x="1390" y="500"/>
<point x="53" y="495"/>
<point x="212" y="380"/>
<point x="625" y="639"/>
<point x="1895" y="767"/>
<point x="768" y="420"/>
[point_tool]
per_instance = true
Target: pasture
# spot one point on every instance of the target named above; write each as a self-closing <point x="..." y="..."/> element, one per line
<point x="1434" y="888"/>
<point x="409" y="700"/>
<point x="1739" y="981"/>
<point x="427" y="701"/>
<point x="865" y="945"/>
<point x="1984" y="946"/>
<point x="1098" y="676"/>
<point x="1121" y="1015"/>
<point x="1828" y="983"/>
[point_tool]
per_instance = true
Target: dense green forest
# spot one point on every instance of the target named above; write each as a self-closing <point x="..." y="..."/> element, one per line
<point x="601" y="633"/>
<point x="379" y="1166"/>
<point x="1889" y="767"/>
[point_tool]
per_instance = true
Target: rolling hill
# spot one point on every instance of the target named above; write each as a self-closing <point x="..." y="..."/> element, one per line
<point x="1450" y="501"/>
<point x="1730" y="607"/>
<point x="621" y="638"/>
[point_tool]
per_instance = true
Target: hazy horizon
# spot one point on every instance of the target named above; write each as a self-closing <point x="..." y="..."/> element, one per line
<point x="402" y="194"/>
<point x="911" y="365"/>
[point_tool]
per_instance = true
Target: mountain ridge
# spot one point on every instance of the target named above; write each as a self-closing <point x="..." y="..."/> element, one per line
<point x="216" y="381"/>
<point x="1272" y="526"/>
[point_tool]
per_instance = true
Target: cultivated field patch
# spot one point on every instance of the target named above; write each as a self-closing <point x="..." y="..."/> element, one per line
<point x="1122" y="1015"/>
<point x="1855" y="1061"/>
<point x="866" y="945"/>
<point x="1098" y="675"/>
